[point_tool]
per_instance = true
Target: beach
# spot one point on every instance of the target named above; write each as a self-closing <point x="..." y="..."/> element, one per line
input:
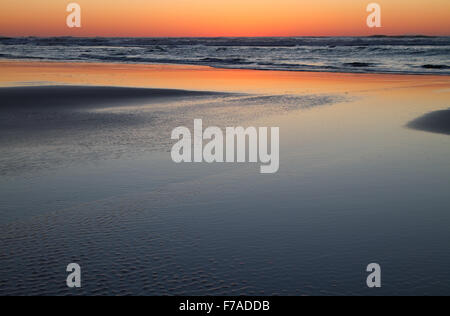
<point x="87" y="177"/>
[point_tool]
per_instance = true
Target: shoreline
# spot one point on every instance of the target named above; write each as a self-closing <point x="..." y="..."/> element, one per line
<point x="393" y="73"/>
<point x="205" y="78"/>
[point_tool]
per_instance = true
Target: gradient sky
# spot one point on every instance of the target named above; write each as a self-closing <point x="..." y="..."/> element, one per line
<point x="223" y="17"/>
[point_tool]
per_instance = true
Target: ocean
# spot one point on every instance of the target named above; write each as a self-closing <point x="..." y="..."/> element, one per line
<point x="376" y="54"/>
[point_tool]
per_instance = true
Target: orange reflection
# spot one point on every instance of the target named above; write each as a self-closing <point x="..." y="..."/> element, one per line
<point x="206" y="78"/>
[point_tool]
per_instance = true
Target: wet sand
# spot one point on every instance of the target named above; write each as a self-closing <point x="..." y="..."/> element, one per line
<point x="91" y="181"/>
<point x="78" y="123"/>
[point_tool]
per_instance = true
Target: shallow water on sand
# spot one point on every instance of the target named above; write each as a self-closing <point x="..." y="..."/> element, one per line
<point x="355" y="186"/>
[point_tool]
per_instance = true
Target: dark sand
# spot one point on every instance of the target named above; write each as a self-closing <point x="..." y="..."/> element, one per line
<point x="434" y="122"/>
<point x="66" y="97"/>
<point x="40" y="108"/>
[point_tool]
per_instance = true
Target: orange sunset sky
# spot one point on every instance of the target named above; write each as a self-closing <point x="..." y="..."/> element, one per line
<point x="223" y="17"/>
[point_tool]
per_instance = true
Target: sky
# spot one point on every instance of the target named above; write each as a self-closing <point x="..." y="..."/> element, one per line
<point x="211" y="18"/>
